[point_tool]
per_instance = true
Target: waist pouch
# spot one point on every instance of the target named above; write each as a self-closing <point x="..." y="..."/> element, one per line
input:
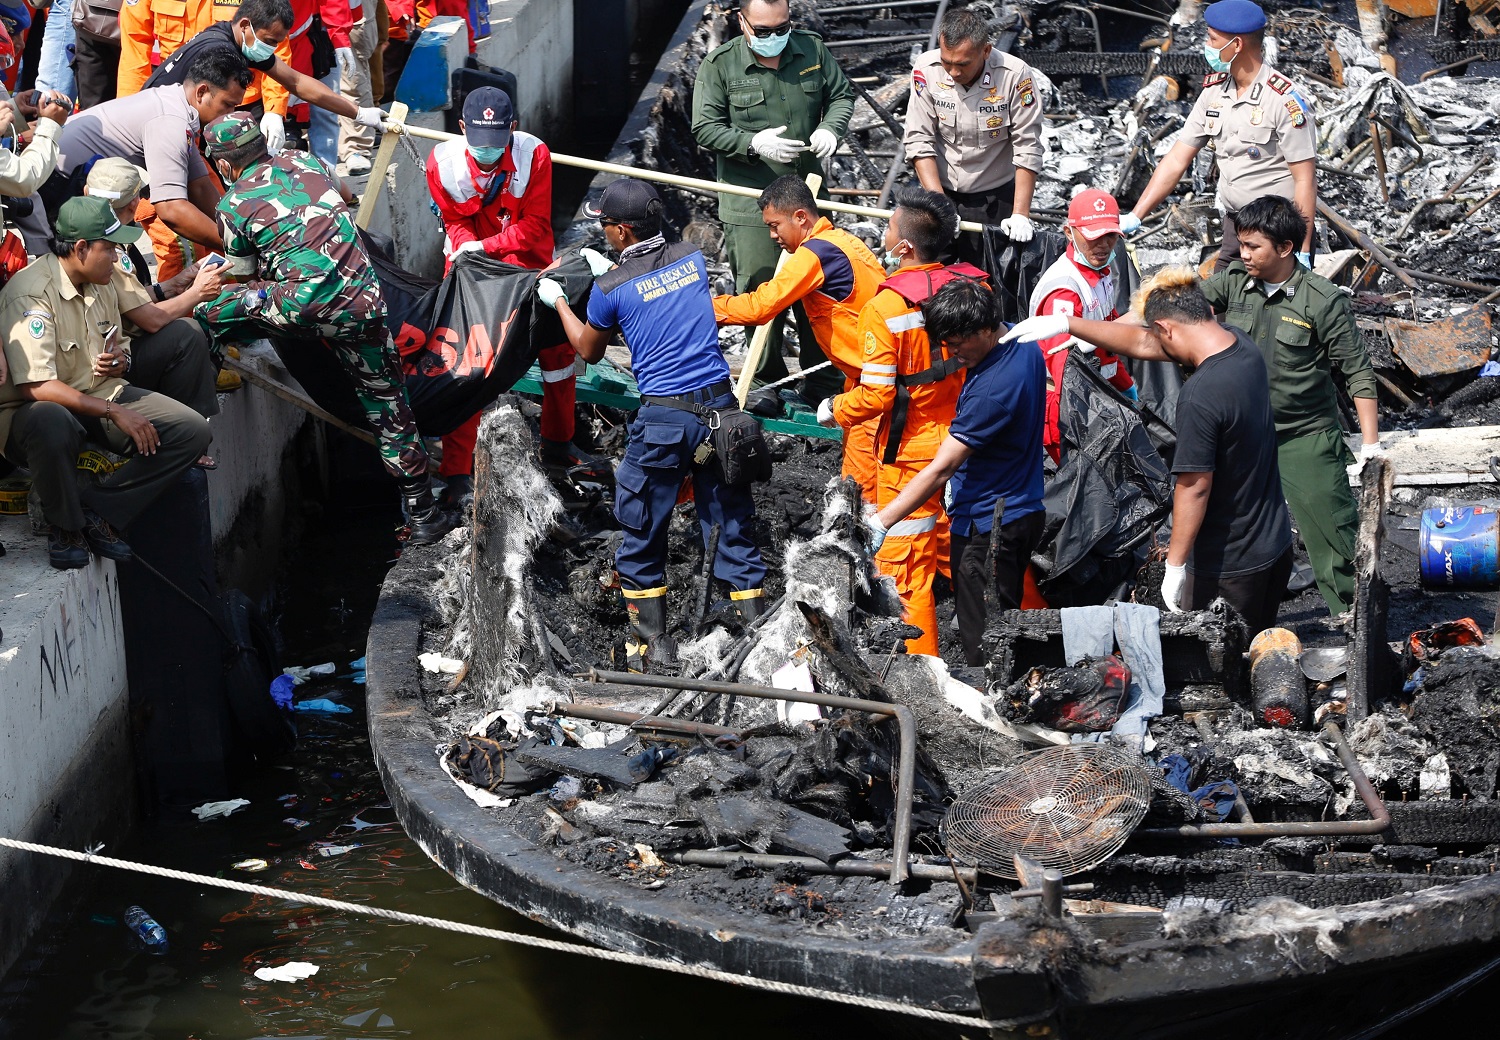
<point x="738" y="442"/>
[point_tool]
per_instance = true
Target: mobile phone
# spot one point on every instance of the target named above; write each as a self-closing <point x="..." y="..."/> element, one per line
<point x="110" y="335"/>
<point x="213" y="258"/>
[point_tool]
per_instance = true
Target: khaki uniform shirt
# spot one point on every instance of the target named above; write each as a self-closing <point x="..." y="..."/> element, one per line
<point x="54" y="330"/>
<point x="735" y="97"/>
<point x="1256" y="135"/>
<point x="978" y="135"/>
<point x="22" y="174"/>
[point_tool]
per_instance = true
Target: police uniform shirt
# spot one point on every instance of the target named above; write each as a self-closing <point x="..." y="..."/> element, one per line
<point x="1255" y="134"/>
<point x="661" y="302"/>
<point x="156" y="129"/>
<point x="999" y="419"/>
<point x="978" y="135"/>
<point x="219" y="36"/>
<point x="54" y="330"/>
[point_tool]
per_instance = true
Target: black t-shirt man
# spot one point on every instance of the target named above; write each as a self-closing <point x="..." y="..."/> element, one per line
<point x="1225" y="427"/>
<point x="219" y="36"/>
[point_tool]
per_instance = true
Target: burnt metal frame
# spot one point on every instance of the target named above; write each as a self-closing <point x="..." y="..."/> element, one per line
<point x="906" y="723"/>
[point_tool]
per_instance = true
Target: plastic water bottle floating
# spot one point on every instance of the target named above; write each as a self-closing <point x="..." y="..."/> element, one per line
<point x="145" y="933"/>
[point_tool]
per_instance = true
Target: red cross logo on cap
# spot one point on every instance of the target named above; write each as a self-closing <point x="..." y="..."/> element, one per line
<point x="1098" y="205"/>
<point x="489" y="113"/>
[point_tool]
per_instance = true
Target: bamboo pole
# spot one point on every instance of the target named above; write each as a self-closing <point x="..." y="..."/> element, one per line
<point x="676" y="180"/>
<point x="763" y="330"/>
<point x="378" y="167"/>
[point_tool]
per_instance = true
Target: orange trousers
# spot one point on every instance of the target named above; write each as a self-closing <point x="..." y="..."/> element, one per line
<point x="170" y="257"/>
<point x="859" y="458"/>
<point x="913" y="551"/>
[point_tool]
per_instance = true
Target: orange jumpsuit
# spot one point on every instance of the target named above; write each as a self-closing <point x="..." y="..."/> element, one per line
<point x="834" y="275"/>
<point x="902" y="376"/>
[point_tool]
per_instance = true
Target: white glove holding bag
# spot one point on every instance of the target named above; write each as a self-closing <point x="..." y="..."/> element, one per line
<point x="597" y="261"/>
<point x="274" y="129"/>
<point x="769" y="144"/>
<point x="1172" y="585"/>
<point x="550" y="292"/>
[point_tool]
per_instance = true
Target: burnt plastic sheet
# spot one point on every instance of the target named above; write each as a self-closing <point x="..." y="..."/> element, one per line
<point x="1107" y="497"/>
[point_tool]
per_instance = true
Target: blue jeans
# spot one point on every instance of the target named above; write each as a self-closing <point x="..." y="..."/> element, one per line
<point x="55" y="65"/>
<point x="323" y="125"/>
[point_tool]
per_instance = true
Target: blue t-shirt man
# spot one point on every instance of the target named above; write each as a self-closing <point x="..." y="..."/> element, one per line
<point x="1001" y="411"/>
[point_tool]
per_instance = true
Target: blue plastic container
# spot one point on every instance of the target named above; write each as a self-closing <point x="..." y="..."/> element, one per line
<point x="1460" y="547"/>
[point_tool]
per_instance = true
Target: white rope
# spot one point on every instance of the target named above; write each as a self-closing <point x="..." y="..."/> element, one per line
<point x="638" y="960"/>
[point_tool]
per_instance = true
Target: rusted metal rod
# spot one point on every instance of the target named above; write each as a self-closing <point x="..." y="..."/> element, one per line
<point x="636" y="720"/>
<point x="1380" y="816"/>
<point x="906" y="723"/>
<point x="844" y="867"/>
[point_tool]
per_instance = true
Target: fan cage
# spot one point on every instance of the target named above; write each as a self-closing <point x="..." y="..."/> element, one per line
<point x="1068" y="807"/>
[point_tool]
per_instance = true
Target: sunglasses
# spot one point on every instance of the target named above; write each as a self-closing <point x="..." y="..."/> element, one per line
<point x="764" y="32"/>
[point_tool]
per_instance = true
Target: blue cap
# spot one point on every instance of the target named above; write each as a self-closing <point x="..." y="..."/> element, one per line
<point x="487" y="118"/>
<point x="1233" y="17"/>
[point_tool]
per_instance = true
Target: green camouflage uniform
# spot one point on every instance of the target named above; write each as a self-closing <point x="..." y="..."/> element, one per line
<point x="288" y="232"/>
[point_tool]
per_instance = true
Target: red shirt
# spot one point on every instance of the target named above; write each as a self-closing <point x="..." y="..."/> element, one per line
<point x="515" y="225"/>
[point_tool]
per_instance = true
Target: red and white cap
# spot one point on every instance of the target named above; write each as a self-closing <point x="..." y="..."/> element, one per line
<point x="1095" y="213"/>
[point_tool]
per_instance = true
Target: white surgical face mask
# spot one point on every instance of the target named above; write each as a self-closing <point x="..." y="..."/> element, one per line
<point x="257" y="49"/>
<point x="892" y="261"/>
<point x="767" y="46"/>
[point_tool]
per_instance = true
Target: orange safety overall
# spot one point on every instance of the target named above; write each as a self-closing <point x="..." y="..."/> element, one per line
<point x="833" y="274"/>
<point x="911" y="389"/>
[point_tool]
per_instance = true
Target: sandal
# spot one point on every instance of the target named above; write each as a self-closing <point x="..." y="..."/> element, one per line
<point x="206" y="462"/>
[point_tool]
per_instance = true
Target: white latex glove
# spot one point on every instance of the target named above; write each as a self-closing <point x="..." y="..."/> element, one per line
<point x="274" y="129"/>
<point x="1018" y="227"/>
<point x="1366" y="453"/>
<point x="345" y="58"/>
<point x="1172" y="584"/>
<point x="822" y="143"/>
<point x="1043" y="326"/>
<point x="825" y="412"/>
<point x="549" y="292"/>
<point x="769" y="144"/>
<point x="875" y="532"/>
<point x="371" y="117"/>
<point x="1129" y="223"/>
<point x="473" y="245"/>
<point x="598" y="262"/>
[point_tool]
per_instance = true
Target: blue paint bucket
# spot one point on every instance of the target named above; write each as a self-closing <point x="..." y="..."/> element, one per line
<point x="1460" y="547"/>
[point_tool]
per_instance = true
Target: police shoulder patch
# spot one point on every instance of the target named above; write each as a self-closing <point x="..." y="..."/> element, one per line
<point x="1279" y="83"/>
<point x="1027" y="90"/>
<point x="918" y="81"/>
<point x="1295" y="110"/>
<point x="1215" y="78"/>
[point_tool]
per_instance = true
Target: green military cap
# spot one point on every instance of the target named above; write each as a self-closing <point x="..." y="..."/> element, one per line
<point x="230" y="132"/>
<point x="89" y="218"/>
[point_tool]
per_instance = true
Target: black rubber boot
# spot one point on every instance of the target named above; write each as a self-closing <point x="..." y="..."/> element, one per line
<point x="648" y="647"/>
<point x="103" y="540"/>
<point x="426" y="521"/>
<point x="574" y="463"/>
<point x="750" y="607"/>
<point x="458" y="495"/>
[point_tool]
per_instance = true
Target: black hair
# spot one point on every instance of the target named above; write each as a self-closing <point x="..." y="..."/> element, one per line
<point x="788" y="193"/>
<point x="1173" y="294"/>
<point x="964" y="25"/>
<point x="961" y="308"/>
<point x="929" y="221"/>
<point x="219" y="67"/>
<point x="60" y="248"/>
<point x="1274" y="217"/>
<point x="265" y="13"/>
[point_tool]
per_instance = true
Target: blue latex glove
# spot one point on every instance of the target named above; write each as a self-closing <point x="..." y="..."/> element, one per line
<point x="875" y="531"/>
<point x="1305" y="259"/>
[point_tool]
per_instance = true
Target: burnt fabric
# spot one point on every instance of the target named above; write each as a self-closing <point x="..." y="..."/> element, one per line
<point x="1107" y="497"/>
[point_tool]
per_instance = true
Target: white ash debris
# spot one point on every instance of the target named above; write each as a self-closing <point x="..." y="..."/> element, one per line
<point x="1290" y="924"/>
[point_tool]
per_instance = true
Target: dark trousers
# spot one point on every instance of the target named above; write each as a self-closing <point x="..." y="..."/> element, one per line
<point x="96" y="66"/>
<point x="175" y="361"/>
<point x="46" y="437"/>
<point x="658" y="458"/>
<point x="972" y="577"/>
<point x="1257" y="596"/>
<point x="986" y="207"/>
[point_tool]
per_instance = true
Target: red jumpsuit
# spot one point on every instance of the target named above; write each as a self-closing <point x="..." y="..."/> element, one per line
<point x="906" y="381"/>
<point x="1076" y="291"/>
<point x="512" y="220"/>
<point x="336" y="21"/>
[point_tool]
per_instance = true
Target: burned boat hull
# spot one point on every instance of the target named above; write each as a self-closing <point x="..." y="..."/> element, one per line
<point x="1319" y="975"/>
